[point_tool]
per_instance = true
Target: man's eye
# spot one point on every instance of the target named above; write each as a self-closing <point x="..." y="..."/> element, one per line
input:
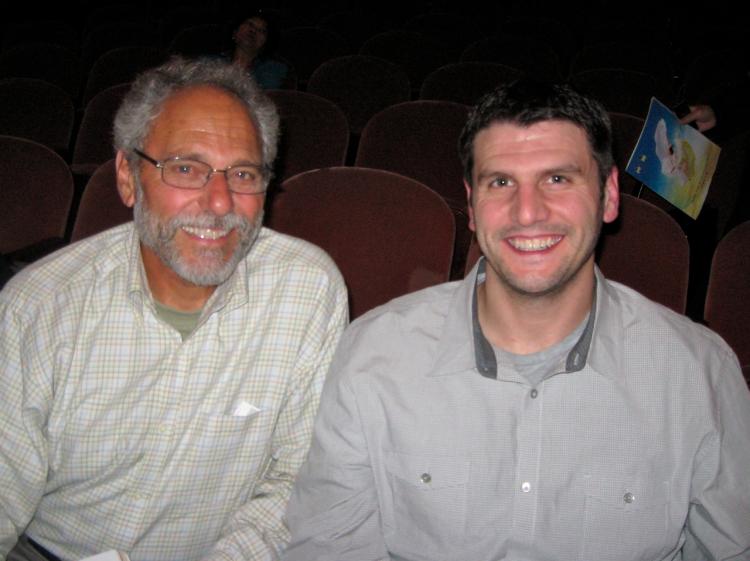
<point x="499" y="182"/>
<point x="184" y="169"/>
<point x="558" y="179"/>
<point x="246" y="175"/>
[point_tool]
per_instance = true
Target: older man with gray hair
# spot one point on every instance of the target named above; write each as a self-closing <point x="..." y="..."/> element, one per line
<point x="160" y="379"/>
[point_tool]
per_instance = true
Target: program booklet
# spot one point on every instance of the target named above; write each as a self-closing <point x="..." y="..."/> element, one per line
<point x="674" y="160"/>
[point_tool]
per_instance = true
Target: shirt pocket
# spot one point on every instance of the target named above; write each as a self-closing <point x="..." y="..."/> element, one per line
<point x="625" y="520"/>
<point x="424" y="510"/>
<point x="223" y="439"/>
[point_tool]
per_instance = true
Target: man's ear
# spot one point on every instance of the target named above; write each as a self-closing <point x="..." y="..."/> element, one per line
<point x="125" y="179"/>
<point x="472" y="226"/>
<point x="611" y="196"/>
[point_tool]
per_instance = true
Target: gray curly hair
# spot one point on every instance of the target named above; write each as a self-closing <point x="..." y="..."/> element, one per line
<point x="143" y="103"/>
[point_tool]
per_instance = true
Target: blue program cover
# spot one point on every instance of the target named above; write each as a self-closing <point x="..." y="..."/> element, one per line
<point x="674" y="160"/>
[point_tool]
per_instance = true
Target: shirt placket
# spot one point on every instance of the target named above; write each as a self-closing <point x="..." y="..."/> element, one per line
<point x="162" y="431"/>
<point x="529" y="439"/>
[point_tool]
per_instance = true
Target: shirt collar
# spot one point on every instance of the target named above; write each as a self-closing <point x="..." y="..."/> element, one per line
<point x="459" y="352"/>
<point x="455" y="348"/>
<point x="605" y="348"/>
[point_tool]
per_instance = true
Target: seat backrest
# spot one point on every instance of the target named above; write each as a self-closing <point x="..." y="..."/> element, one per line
<point x="727" y="309"/>
<point x="454" y="29"/>
<point x="93" y="145"/>
<point x="307" y="47"/>
<point x="314" y="133"/>
<point x="530" y="56"/>
<point x="208" y="39"/>
<point x="45" y="61"/>
<point x="355" y="25"/>
<point x="119" y="66"/>
<point x="36" y="191"/>
<point x="55" y="31"/>
<point x="652" y="58"/>
<point x="183" y="15"/>
<point x="644" y="249"/>
<point x="626" y="130"/>
<point x="618" y="89"/>
<point x="419" y="139"/>
<point x="100" y="207"/>
<point x="708" y="74"/>
<point x="723" y="200"/>
<point x="416" y="53"/>
<point x="388" y="234"/>
<point x="465" y="82"/>
<point x="37" y="110"/>
<point x="361" y="86"/>
<point x="104" y="37"/>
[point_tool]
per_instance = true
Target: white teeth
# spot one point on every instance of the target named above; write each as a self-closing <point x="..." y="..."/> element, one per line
<point x="205" y="233"/>
<point x="534" y="244"/>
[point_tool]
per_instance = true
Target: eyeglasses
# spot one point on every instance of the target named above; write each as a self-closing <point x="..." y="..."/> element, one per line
<point x="184" y="173"/>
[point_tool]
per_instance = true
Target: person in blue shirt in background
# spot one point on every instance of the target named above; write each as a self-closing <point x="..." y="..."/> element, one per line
<point x="254" y="39"/>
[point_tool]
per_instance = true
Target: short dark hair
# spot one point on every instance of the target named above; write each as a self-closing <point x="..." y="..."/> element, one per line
<point x="526" y="102"/>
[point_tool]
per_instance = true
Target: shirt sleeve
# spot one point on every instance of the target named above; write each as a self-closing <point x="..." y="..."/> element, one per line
<point x="334" y="512"/>
<point x="23" y="414"/>
<point x="257" y="530"/>
<point x="718" y="525"/>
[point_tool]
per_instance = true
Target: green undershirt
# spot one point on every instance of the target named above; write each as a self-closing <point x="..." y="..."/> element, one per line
<point x="183" y="322"/>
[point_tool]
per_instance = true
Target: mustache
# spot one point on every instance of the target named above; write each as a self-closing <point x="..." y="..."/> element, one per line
<point x="166" y="231"/>
<point x="209" y="220"/>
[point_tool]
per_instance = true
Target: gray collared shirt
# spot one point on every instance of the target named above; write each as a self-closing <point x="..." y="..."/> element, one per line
<point x="640" y="451"/>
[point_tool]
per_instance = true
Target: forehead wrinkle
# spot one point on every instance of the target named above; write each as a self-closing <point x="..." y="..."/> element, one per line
<point x="200" y="121"/>
<point x="198" y="157"/>
<point x="544" y="147"/>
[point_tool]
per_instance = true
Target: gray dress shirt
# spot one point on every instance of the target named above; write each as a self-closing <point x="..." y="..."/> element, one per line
<point x="636" y="448"/>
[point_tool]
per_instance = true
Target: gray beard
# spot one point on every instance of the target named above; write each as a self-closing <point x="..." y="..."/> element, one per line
<point x="210" y="269"/>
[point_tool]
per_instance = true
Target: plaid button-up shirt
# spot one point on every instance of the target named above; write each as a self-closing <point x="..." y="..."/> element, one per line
<point x="117" y="434"/>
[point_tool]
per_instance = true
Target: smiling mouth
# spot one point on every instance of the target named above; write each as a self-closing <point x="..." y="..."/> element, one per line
<point x="206" y="233"/>
<point x="534" y="244"/>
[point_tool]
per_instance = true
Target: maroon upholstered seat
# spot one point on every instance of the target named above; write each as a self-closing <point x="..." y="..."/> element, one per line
<point x="465" y="82"/>
<point x="361" y="86"/>
<point x="727" y="309"/>
<point x="388" y="234"/>
<point x="419" y="139"/>
<point x="93" y="145"/>
<point x="100" y="207"/>
<point x="314" y="133"/>
<point x="37" y="110"/>
<point x="36" y="191"/>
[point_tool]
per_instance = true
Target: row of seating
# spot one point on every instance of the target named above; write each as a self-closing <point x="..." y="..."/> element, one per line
<point x="361" y="85"/>
<point x="417" y="56"/>
<point x="325" y="128"/>
<point x="34" y="109"/>
<point x="414" y="138"/>
<point x="389" y="234"/>
<point x="417" y="139"/>
<point x="662" y="57"/>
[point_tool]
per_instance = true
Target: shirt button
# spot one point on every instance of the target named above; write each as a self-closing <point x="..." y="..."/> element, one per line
<point x="525" y="486"/>
<point x="425" y="478"/>
<point x="534" y="393"/>
<point x="628" y="498"/>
